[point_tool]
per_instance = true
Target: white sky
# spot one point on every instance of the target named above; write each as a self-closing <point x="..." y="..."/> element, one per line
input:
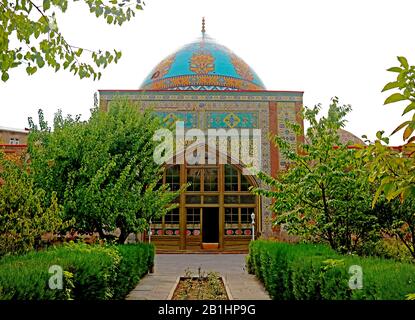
<point x="323" y="47"/>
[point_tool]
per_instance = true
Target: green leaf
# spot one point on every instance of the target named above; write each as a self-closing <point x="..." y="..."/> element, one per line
<point x="379" y="134"/>
<point x="376" y="197"/>
<point x="4" y="76"/>
<point x="403" y="62"/>
<point x="391" y="85"/>
<point x="395" y="98"/>
<point x="407" y="133"/>
<point x="402" y="125"/>
<point x="410" y="107"/>
<point x="395" y="69"/>
<point x="46" y="5"/>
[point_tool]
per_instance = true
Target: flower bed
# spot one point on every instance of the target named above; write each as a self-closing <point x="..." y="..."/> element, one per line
<point x="203" y="287"/>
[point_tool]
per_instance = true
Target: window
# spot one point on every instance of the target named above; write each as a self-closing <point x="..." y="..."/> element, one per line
<point x="244" y="183"/>
<point x="231" y="218"/>
<point x="193" y="177"/>
<point x="210" y="199"/>
<point x="171" y="219"/>
<point x="247" y="199"/>
<point x="246" y="217"/>
<point x="14" y="141"/>
<point x="238" y="221"/>
<point x="167" y="225"/>
<point x="231" y="178"/>
<point x="173" y="177"/>
<point x="193" y="218"/>
<point x="211" y="179"/>
<point x="157" y="222"/>
<point x="193" y="199"/>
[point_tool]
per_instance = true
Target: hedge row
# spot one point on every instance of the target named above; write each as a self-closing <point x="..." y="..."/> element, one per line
<point x="90" y="272"/>
<point x="315" y="272"/>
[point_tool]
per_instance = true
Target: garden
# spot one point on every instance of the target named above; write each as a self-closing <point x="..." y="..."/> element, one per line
<point x="67" y="209"/>
<point x="68" y="205"/>
<point x="350" y="208"/>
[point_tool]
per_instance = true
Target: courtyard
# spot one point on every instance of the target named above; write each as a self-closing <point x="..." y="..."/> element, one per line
<point x="158" y="285"/>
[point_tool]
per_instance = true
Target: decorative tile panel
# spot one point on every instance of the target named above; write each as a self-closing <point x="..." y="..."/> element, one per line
<point x="232" y="120"/>
<point x="286" y="112"/>
<point x="190" y="119"/>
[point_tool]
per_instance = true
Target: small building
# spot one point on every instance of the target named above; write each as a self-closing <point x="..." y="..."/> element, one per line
<point x="13" y="136"/>
<point x="13" y="141"/>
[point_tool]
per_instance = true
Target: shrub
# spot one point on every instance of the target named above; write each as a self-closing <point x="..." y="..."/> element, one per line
<point x="136" y="261"/>
<point x="315" y="272"/>
<point x="24" y="217"/>
<point x="90" y="272"/>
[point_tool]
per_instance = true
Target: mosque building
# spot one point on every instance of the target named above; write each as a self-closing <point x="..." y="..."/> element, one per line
<point x="207" y="86"/>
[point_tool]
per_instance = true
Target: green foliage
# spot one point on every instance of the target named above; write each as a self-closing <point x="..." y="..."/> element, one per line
<point x="90" y="272"/>
<point x="391" y="168"/>
<point x="24" y="217"/>
<point x="324" y="194"/>
<point x="40" y="42"/>
<point x="397" y="219"/>
<point x="405" y="83"/>
<point x="135" y="263"/>
<point x="102" y="170"/>
<point x="315" y="272"/>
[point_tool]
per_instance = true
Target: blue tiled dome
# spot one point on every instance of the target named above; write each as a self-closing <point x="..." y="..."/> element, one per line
<point x="202" y="65"/>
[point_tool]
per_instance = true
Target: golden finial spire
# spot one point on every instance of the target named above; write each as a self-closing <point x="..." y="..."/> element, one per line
<point x="203" y="26"/>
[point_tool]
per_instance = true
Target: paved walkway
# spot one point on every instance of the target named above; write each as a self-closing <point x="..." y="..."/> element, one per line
<point x="168" y="267"/>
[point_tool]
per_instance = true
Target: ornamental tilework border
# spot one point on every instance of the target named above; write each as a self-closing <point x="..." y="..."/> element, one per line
<point x="286" y="112"/>
<point x="210" y="96"/>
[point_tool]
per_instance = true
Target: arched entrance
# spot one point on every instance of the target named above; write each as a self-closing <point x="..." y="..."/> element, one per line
<point x="213" y="214"/>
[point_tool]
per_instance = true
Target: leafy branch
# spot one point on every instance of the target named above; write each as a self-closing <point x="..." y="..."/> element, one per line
<point x="30" y="36"/>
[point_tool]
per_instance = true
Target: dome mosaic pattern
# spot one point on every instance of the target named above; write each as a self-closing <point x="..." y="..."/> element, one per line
<point x="202" y="65"/>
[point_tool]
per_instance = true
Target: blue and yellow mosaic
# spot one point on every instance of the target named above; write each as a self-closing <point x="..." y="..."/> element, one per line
<point x="232" y="119"/>
<point x="203" y="65"/>
<point x="190" y="119"/>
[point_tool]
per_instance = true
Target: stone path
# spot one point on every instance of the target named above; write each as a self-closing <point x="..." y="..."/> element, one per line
<point x="168" y="267"/>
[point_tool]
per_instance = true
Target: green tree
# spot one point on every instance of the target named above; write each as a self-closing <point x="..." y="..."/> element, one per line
<point x="102" y="169"/>
<point x="24" y="217"/>
<point x="324" y="194"/>
<point x="393" y="167"/>
<point x="397" y="219"/>
<point x="40" y="42"/>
